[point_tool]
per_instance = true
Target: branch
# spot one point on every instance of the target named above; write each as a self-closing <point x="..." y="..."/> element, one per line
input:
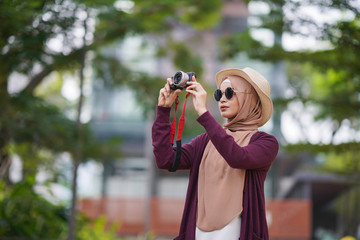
<point x="60" y="62"/>
<point x="37" y="79"/>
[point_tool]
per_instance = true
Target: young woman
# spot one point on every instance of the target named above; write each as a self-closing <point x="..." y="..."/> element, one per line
<point x="228" y="164"/>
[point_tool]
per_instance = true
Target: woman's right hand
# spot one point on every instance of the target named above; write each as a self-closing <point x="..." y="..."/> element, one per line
<point x="166" y="95"/>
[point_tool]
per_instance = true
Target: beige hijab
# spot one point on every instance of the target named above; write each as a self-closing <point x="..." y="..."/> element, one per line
<point x="220" y="187"/>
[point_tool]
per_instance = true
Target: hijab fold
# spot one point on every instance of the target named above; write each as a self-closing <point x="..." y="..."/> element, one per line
<point x="220" y="187"/>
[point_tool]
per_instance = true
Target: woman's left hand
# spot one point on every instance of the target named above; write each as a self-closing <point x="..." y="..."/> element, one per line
<point x="198" y="94"/>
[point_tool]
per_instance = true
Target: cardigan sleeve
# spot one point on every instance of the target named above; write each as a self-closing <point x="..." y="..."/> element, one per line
<point x="164" y="152"/>
<point x="258" y="154"/>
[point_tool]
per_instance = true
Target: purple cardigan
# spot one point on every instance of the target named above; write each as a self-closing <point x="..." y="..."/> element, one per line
<point x="256" y="158"/>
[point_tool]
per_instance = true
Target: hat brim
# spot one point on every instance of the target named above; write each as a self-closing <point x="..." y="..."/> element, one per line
<point x="258" y="82"/>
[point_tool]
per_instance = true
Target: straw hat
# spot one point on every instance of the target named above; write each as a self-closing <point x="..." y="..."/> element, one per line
<point x="259" y="83"/>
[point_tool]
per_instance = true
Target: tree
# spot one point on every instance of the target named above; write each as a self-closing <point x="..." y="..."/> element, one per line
<point x="40" y="37"/>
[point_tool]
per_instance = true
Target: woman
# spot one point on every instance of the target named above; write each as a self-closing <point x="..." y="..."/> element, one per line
<point x="228" y="165"/>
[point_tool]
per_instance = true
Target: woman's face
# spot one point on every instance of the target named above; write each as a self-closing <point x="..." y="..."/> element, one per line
<point x="229" y="108"/>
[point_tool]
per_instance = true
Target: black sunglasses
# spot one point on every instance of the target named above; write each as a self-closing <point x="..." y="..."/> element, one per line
<point x="229" y="93"/>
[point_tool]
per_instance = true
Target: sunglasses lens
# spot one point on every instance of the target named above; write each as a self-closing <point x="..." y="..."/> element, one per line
<point x="217" y="94"/>
<point x="229" y="92"/>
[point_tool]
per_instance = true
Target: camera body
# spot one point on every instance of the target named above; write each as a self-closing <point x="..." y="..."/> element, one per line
<point x="180" y="79"/>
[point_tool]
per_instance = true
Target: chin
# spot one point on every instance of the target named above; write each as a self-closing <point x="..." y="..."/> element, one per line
<point x="227" y="115"/>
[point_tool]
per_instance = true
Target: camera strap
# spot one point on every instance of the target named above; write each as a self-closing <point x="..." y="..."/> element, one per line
<point x="179" y="133"/>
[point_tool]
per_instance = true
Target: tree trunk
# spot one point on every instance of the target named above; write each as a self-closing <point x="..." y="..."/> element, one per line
<point x="72" y="219"/>
<point x="5" y="160"/>
<point x="77" y="153"/>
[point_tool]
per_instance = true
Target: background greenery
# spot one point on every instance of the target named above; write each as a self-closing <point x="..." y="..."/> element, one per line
<point x="37" y="123"/>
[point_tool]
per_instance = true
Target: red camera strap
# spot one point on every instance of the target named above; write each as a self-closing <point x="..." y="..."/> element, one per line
<point x="176" y="162"/>
<point x="181" y="121"/>
<point x="173" y="125"/>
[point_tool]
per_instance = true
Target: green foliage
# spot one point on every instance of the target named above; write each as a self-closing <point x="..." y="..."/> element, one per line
<point x="43" y="124"/>
<point x="99" y="229"/>
<point x="328" y="78"/>
<point x="114" y="73"/>
<point x="24" y="38"/>
<point x="347" y="207"/>
<point x="337" y="95"/>
<point x="33" y="124"/>
<point x="50" y="91"/>
<point x="186" y="60"/>
<point x="231" y="45"/>
<point x="153" y="19"/>
<point x="344" y="163"/>
<point x="201" y="14"/>
<point x="154" y="16"/>
<point x="26" y="27"/>
<point x="24" y="213"/>
<point x="339" y="158"/>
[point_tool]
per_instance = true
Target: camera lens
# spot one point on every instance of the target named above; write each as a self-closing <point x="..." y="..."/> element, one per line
<point x="177" y="77"/>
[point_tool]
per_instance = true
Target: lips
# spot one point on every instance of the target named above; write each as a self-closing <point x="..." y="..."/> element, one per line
<point x="223" y="108"/>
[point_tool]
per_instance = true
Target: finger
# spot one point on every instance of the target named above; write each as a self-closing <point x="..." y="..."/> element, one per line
<point x="161" y="98"/>
<point x="169" y="81"/>
<point x="195" y="85"/>
<point x="162" y="93"/>
<point x="192" y="89"/>
<point x="200" y="88"/>
<point x="177" y="91"/>
<point x="192" y="84"/>
<point x="173" y="95"/>
<point x="192" y="92"/>
<point x="198" y="85"/>
<point x="167" y="88"/>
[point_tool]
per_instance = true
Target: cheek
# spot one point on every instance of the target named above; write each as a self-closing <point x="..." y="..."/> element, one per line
<point x="235" y="104"/>
<point x="237" y="107"/>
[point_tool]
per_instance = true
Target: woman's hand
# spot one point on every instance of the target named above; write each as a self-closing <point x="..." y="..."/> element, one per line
<point x="198" y="94"/>
<point x="166" y="95"/>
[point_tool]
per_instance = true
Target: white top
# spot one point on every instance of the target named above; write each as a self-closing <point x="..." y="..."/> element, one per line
<point x="229" y="232"/>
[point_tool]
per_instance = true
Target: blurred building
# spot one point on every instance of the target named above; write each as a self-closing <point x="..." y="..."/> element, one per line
<point x="146" y="199"/>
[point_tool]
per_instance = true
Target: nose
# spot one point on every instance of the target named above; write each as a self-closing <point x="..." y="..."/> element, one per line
<point x="223" y="98"/>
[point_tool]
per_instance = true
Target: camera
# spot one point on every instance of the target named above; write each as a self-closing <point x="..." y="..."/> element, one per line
<point x="180" y="79"/>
